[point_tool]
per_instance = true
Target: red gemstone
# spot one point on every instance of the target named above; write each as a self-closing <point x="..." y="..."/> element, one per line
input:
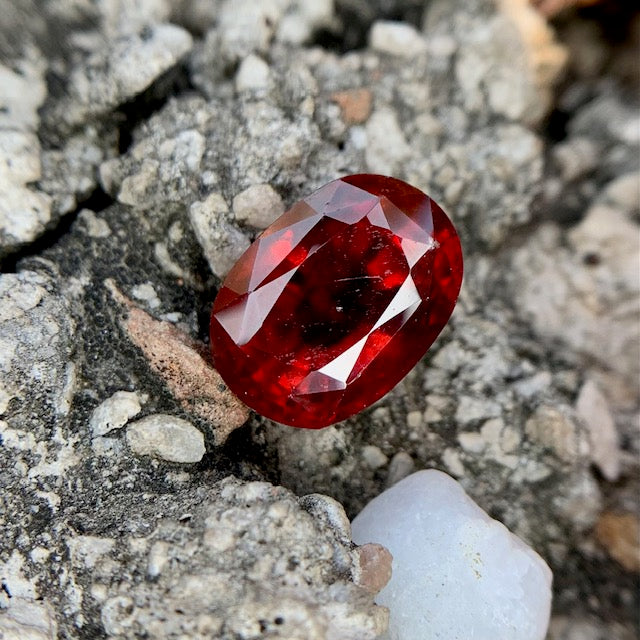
<point x="336" y="301"/>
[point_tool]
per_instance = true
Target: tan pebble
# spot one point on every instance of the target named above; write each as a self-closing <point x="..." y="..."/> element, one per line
<point x="375" y="566"/>
<point x="355" y="104"/>
<point x="619" y="534"/>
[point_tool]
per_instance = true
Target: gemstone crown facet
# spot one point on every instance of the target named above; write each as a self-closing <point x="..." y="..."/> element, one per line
<point x="336" y="301"/>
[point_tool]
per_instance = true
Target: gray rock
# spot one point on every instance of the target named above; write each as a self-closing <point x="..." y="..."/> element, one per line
<point x="222" y="243"/>
<point x="25" y="212"/>
<point x="400" y="467"/>
<point x="196" y="15"/>
<point x="247" y="27"/>
<point x="387" y="148"/>
<point x="70" y="175"/>
<point x="36" y="345"/>
<point x="576" y="157"/>
<point x="397" y="39"/>
<point x="258" y="205"/>
<point x="253" y="74"/>
<point x="23" y="92"/>
<point x="557" y="431"/>
<point x="506" y="63"/>
<point x="147" y="294"/>
<point x="593" y="408"/>
<point x="109" y="76"/>
<point x="302" y="19"/>
<point x="166" y="437"/>
<point x="227" y="560"/>
<point x="579" y="628"/>
<point x="611" y="116"/>
<point x="374" y="457"/>
<point x="27" y="620"/>
<point x="585" y="295"/>
<point x="624" y="192"/>
<point x="96" y="227"/>
<point x="130" y="18"/>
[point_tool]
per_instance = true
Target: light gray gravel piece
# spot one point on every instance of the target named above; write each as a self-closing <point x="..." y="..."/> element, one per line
<point x="258" y="205"/>
<point x="114" y="412"/>
<point x="166" y="437"/>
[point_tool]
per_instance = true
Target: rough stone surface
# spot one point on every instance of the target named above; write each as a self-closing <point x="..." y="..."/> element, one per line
<point x="126" y="131"/>
<point x="507" y="63"/>
<point x="455" y="571"/>
<point x="572" y="628"/>
<point x="199" y="553"/>
<point x="70" y="174"/>
<point x="375" y="566"/>
<point x="253" y="74"/>
<point x="115" y="73"/>
<point x="600" y="304"/>
<point x="27" y="620"/>
<point x="221" y="242"/>
<point x="36" y="354"/>
<point x="619" y="533"/>
<point x="25" y="212"/>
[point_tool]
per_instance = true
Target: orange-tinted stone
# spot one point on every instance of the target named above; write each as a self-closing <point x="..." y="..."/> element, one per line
<point x="336" y="301"/>
<point x="355" y="104"/>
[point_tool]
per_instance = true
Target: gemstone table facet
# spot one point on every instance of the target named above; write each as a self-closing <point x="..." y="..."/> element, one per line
<point x="336" y="301"/>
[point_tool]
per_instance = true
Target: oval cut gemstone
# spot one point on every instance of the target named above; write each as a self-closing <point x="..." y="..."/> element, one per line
<point x="336" y="301"/>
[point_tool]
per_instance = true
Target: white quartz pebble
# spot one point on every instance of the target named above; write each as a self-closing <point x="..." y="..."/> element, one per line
<point x="457" y="573"/>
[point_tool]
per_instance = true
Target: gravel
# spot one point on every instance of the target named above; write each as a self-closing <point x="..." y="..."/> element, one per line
<point x="144" y="145"/>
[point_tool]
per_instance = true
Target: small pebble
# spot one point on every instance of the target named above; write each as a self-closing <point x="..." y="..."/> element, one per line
<point x="355" y="104"/>
<point x="414" y="419"/>
<point x="166" y="437"/>
<point x="114" y="412"/>
<point x="619" y="534"/>
<point x="396" y="39"/>
<point x="593" y="408"/>
<point x="400" y="467"/>
<point x="252" y="74"/>
<point x="373" y="457"/>
<point x="258" y="206"/>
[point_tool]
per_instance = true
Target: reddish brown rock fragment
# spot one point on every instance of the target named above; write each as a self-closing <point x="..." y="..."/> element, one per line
<point x="354" y="103"/>
<point x="619" y="534"/>
<point x="182" y="363"/>
<point x="375" y="566"/>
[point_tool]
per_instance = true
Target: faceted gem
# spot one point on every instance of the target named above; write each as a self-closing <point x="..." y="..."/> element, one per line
<point x="336" y="301"/>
